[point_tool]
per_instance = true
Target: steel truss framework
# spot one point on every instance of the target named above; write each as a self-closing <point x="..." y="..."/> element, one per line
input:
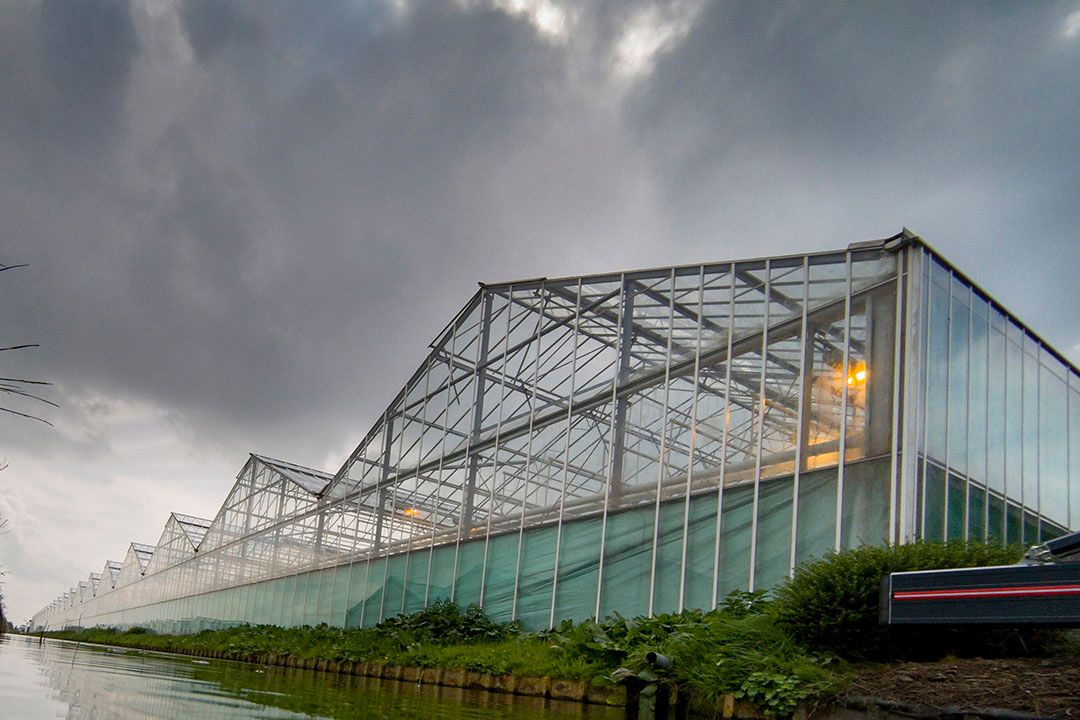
<point x="642" y="442"/>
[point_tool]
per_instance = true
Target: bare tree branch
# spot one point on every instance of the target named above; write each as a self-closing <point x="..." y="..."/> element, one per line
<point x="14" y="386"/>
<point x="29" y="417"/>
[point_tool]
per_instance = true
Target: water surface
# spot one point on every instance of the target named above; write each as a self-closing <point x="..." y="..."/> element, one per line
<point x="62" y="679"/>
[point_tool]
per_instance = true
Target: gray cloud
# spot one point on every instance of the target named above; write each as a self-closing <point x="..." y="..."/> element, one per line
<point x="246" y="220"/>
<point x="852" y="118"/>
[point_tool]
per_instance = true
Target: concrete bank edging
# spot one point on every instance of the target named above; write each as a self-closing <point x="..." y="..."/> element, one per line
<point x="543" y="687"/>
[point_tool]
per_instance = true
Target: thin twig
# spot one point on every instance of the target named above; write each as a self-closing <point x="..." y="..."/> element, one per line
<point x="29" y="417"/>
<point x="23" y="393"/>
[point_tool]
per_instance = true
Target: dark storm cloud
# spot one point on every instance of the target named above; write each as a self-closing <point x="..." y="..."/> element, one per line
<point x="87" y="50"/>
<point x="256" y="215"/>
<point x="955" y="119"/>
<point x="245" y="220"/>
<point x="275" y="209"/>
<point x="66" y="68"/>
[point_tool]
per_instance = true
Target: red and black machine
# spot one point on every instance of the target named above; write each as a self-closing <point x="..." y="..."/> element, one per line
<point x="1042" y="589"/>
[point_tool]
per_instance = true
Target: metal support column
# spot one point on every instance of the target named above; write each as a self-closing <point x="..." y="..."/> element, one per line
<point x="626" y="344"/>
<point x="478" y="413"/>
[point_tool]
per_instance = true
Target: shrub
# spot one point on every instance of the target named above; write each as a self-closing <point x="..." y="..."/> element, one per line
<point x="747" y="654"/>
<point x="832" y="604"/>
<point x="445" y="623"/>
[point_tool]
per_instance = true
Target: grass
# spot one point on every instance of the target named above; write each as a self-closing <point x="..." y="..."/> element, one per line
<point x="740" y="651"/>
<point x="774" y="653"/>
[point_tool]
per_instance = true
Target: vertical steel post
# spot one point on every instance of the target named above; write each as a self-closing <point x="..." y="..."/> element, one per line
<point x="469" y="487"/>
<point x="986" y="427"/>
<point x="626" y="345"/>
<point x="566" y="456"/>
<point x="662" y="460"/>
<point x="842" y="449"/>
<point x="528" y="446"/>
<point x="1038" y="444"/>
<point x="416" y="475"/>
<point x="806" y="367"/>
<point x="967" y="419"/>
<point x="442" y="453"/>
<point x="928" y="314"/>
<point x="897" y="379"/>
<point x="478" y="411"/>
<point x="691" y="455"/>
<point x="498" y="439"/>
<point x="948" y="405"/>
<point x="759" y="421"/>
<point x="615" y="431"/>
<point x="724" y="443"/>
<point x="1024" y="449"/>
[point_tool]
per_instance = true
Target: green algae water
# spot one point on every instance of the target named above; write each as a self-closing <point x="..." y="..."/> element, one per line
<point x="62" y="679"/>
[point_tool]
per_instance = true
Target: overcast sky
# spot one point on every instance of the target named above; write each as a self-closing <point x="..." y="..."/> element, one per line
<point x="245" y="221"/>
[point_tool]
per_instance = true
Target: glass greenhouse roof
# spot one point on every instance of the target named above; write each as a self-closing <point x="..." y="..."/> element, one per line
<point x="314" y="481"/>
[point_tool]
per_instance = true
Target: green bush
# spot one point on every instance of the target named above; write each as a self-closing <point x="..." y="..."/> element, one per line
<point x="445" y="623"/>
<point x="833" y="604"/>
<point x="751" y="656"/>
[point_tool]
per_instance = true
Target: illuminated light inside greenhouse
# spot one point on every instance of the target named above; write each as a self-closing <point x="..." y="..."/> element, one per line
<point x="641" y="442"/>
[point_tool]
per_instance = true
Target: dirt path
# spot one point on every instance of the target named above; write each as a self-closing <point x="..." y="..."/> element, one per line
<point x="1047" y="687"/>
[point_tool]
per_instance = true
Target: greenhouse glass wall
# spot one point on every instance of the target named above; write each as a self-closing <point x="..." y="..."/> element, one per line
<point x="642" y="442"/>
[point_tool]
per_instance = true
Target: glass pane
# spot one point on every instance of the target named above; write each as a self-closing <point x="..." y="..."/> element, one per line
<point x="579" y="553"/>
<point x="393" y="586"/>
<point x="956" y="508"/>
<point x="937" y="373"/>
<point x="958" y="385"/>
<point x="866" y="504"/>
<point x="995" y="413"/>
<point x="1031" y="445"/>
<point x="537" y="571"/>
<point x="442" y="573"/>
<point x="700" y="552"/>
<point x="627" y="561"/>
<point x="995" y="519"/>
<point x="1053" y="450"/>
<point x="977" y="397"/>
<point x="934" y="504"/>
<point x="736" y="514"/>
<point x="1014" y="426"/>
<point x="416" y="580"/>
<point x="373" y="598"/>
<point x="668" y="558"/>
<point x="501" y="570"/>
<point x="773" y="552"/>
<point x="816" y="535"/>
<point x="1074" y="455"/>
<point x="976" y="514"/>
<point x="470" y="571"/>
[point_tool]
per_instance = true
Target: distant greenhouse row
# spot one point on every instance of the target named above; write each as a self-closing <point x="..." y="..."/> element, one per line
<point x="641" y="442"/>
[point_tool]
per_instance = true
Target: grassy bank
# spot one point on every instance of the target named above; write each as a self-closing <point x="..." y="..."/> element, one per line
<point x="740" y="650"/>
<point x="773" y="653"/>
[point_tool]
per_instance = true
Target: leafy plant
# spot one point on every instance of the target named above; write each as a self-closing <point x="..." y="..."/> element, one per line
<point x="833" y="604"/>
<point x="445" y="623"/>
<point x="773" y="692"/>
<point x="740" y="603"/>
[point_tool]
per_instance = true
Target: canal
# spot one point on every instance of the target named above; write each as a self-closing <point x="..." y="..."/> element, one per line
<point x="61" y="679"/>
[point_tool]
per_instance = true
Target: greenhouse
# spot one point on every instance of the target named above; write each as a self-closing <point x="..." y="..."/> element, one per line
<point x="641" y="442"/>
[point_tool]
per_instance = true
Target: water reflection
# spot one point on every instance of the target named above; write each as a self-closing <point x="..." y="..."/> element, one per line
<point x="59" y="679"/>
